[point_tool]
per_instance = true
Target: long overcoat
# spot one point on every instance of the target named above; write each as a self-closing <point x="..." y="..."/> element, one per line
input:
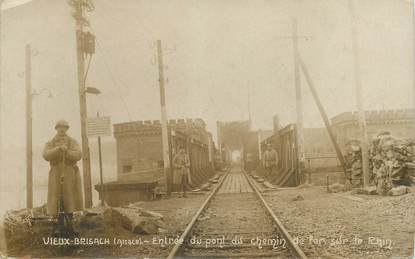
<point x="181" y="163"/>
<point x="63" y="163"/>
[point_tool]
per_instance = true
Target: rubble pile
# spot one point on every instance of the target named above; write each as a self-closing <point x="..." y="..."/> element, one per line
<point x="354" y="171"/>
<point x="21" y="221"/>
<point x="16" y="221"/>
<point x="137" y="220"/>
<point x="132" y="218"/>
<point x="391" y="162"/>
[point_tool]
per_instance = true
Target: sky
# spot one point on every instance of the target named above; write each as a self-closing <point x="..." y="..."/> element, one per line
<point x="214" y="51"/>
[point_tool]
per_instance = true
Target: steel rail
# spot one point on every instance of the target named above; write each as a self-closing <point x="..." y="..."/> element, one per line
<point x="189" y="227"/>
<point x="280" y="226"/>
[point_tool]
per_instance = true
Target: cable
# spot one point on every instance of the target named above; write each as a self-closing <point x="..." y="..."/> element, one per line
<point x="112" y="77"/>
<point x="115" y="83"/>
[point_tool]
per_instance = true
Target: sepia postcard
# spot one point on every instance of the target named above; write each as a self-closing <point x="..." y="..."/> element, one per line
<point x="207" y="129"/>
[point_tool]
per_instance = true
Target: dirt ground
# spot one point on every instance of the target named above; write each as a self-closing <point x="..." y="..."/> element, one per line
<point x="177" y="214"/>
<point x="346" y="225"/>
<point x="325" y="225"/>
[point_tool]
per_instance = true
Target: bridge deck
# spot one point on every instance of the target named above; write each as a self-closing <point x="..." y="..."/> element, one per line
<point x="235" y="182"/>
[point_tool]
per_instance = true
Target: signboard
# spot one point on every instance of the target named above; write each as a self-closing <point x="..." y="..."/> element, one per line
<point x="99" y="126"/>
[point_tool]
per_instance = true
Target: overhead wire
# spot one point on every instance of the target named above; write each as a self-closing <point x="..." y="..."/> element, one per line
<point x="111" y="75"/>
<point x="114" y="81"/>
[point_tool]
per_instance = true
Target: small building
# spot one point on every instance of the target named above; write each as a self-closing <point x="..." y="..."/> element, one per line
<point x="140" y="166"/>
<point x="139" y="144"/>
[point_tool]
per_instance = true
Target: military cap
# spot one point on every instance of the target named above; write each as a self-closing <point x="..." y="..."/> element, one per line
<point x="62" y="123"/>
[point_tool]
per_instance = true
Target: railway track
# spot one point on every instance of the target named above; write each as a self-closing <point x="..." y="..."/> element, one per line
<point x="235" y="222"/>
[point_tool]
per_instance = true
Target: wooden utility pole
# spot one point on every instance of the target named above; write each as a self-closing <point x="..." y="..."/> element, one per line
<point x="249" y="108"/>
<point x="210" y="148"/>
<point x="219" y="138"/>
<point x="413" y="46"/>
<point x="322" y="113"/>
<point x="86" y="163"/>
<point x="29" y="148"/>
<point x="299" y="99"/>
<point x="164" y="132"/>
<point x="362" y="117"/>
<point x="1" y="102"/>
<point x="259" y="145"/>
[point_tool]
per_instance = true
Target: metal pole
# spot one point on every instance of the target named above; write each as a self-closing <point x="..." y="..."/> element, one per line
<point x="249" y="109"/>
<point x="3" y="245"/>
<point x="101" y="178"/>
<point x="322" y="113"/>
<point x="259" y="145"/>
<point x="210" y="149"/>
<point x="164" y="131"/>
<point x="413" y="46"/>
<point x="29" y="148"/>
<point x="359" y="98"/>
<point x="86" y="163"/>
<point x="299" y="99"/>
<point x="1" y="102"/>
<point x="100" y="170"/>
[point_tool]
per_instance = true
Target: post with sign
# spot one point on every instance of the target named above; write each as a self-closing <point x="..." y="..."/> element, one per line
<point x="97" y="127"/>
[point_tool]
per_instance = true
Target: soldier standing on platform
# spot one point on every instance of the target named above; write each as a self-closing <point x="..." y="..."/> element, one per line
<point x="181" y="163"/>
<point x="62" y="153"/>
<point x="270" y="160"/>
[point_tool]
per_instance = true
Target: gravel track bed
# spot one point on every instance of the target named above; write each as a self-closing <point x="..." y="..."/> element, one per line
<point x="330" y="226"/>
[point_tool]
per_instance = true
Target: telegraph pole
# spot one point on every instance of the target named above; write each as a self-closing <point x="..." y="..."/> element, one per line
<point x="1" y="102"/>
<point x="210" y="148"/>
<point x="29" y="148"/>
<point x="359" y="98"/>
<point x="3" y="245"/>
<point x="86" y="163"/>
<point x="323" y="114"/>
<point x="164" y="132"/>
<point x="299" y="99"/>
<point x="259" y="137"/>
<point x="249" y="108"/>
<point x="413" y="46"/>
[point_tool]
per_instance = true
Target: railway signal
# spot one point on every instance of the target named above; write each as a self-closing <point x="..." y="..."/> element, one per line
<point x="99" y="127"/>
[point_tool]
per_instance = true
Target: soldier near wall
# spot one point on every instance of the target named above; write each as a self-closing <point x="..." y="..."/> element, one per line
<point x="181" y="164"/>
<point x="270" y="160"/>
<point x="62" y="152"/>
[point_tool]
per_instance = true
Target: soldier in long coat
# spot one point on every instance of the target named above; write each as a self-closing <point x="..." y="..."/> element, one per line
<point x="62" y="153"/>
<point x="270" y="160"/>
<point x="181" y="164"/>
